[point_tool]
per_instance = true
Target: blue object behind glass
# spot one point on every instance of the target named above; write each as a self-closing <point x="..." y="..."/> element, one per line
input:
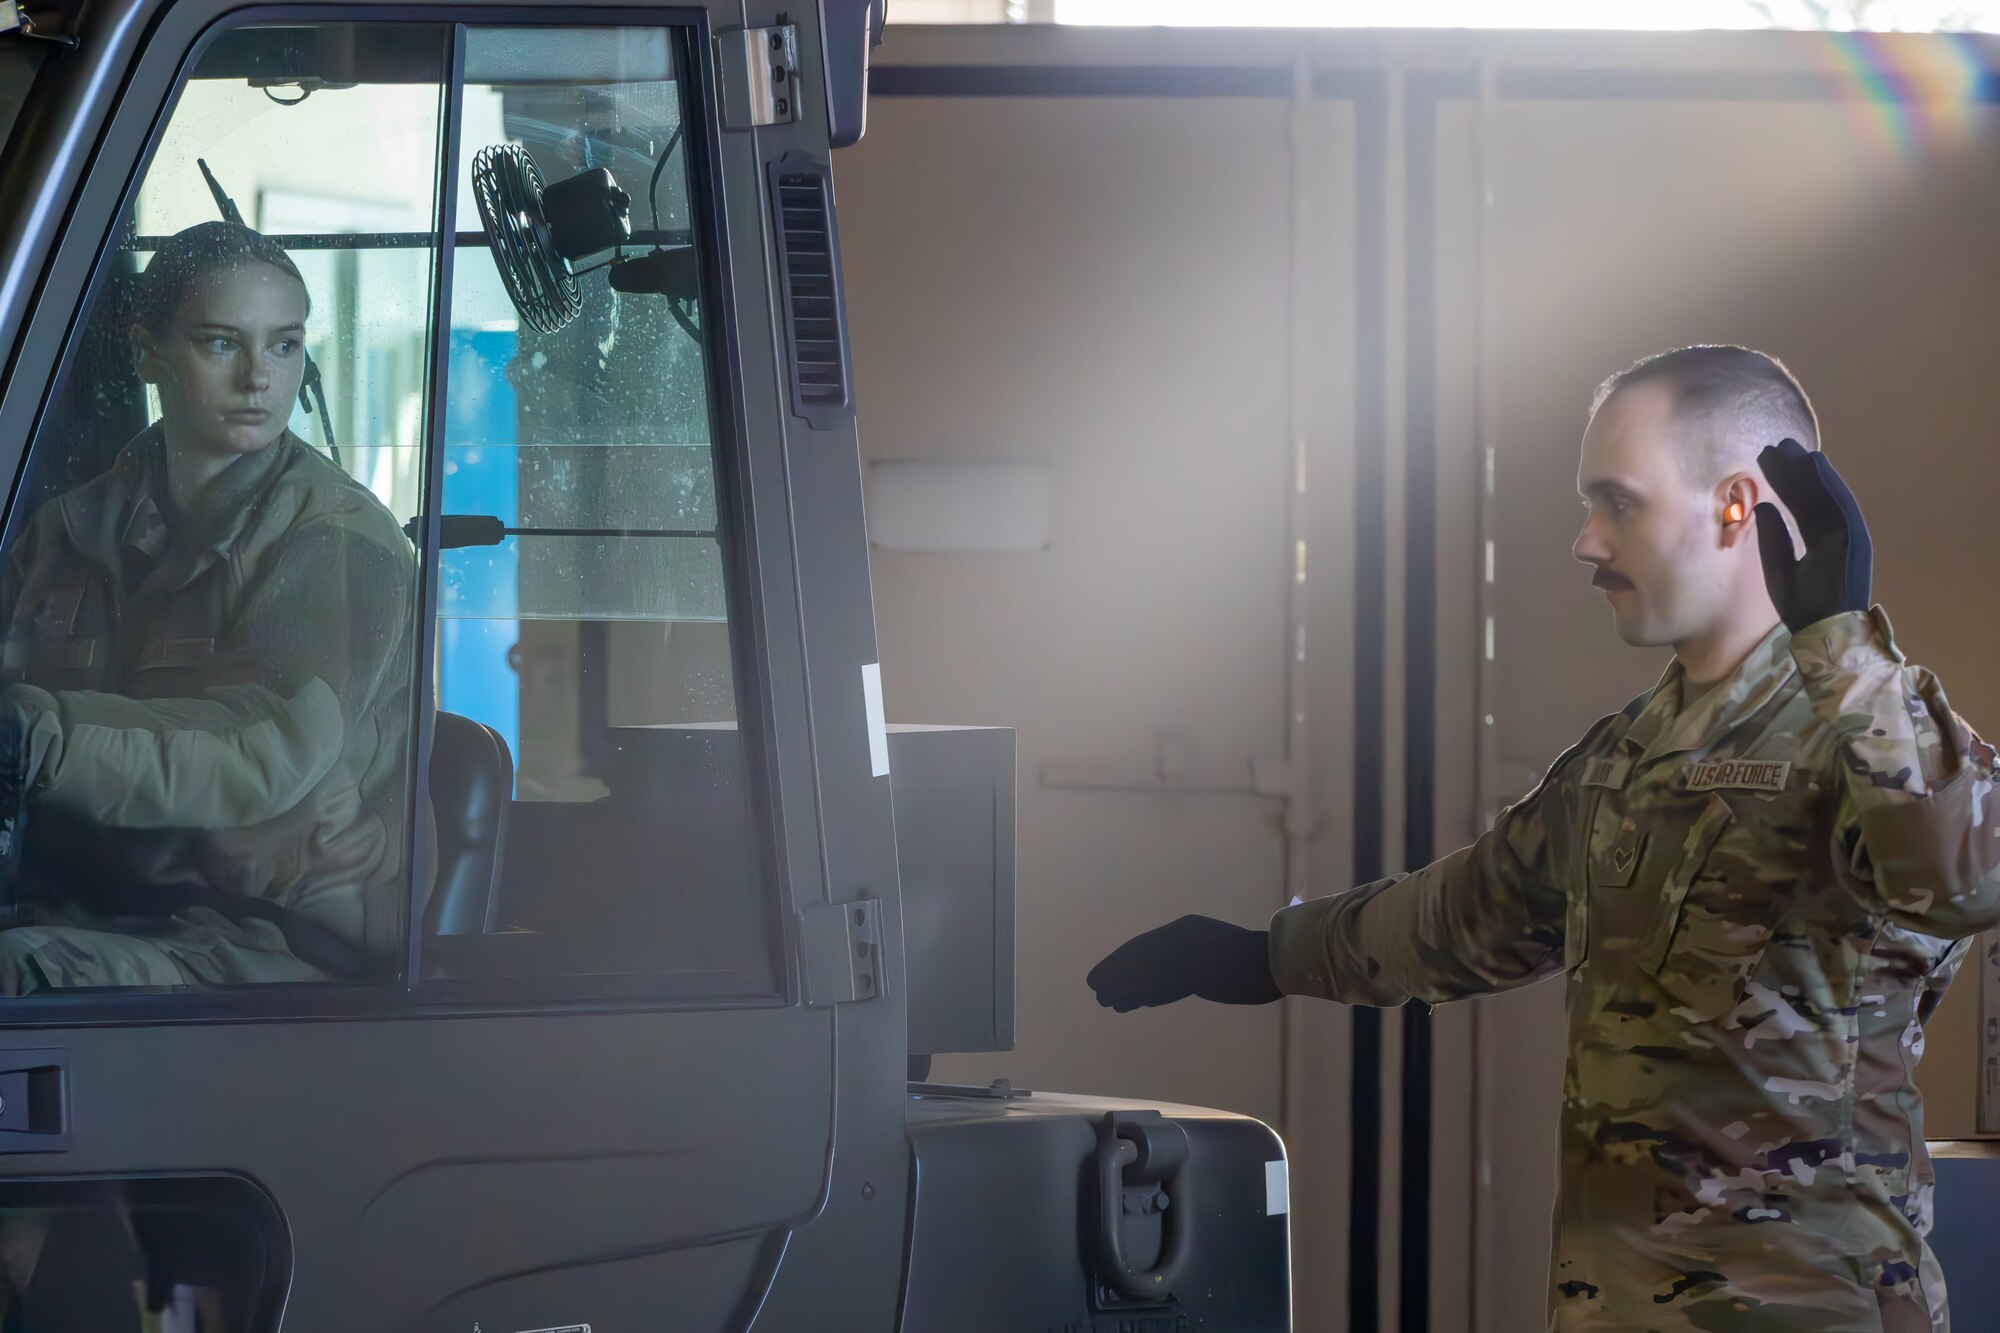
<point x="474" y="676"/>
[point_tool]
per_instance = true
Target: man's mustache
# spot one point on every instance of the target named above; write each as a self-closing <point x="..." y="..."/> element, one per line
<point x="1604" y="578"/>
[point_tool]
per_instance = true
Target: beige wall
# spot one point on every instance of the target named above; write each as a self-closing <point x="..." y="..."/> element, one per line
<point x="1104" y="283"/>
<point x="1032" y="279"/>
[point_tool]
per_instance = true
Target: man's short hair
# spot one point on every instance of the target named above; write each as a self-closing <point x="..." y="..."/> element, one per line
<point x="1728" y="402"/>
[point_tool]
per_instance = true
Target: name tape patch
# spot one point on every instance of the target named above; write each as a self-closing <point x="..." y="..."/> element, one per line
<point x="1739" y="774"/>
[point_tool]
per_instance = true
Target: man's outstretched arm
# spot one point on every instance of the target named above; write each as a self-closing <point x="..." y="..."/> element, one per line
<point x="1483" y="919"/>
<point x="1488" y="917"/>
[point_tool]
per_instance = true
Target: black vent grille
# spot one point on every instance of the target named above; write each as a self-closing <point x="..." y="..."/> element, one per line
<point x="808" y="251"/>
<point x="809" y="283"/>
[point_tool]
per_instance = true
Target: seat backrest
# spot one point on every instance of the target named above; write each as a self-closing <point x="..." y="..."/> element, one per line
<point x="472" y="781"/>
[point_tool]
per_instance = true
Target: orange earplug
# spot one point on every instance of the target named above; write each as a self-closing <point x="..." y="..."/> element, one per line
<point x="1736" y="513"/>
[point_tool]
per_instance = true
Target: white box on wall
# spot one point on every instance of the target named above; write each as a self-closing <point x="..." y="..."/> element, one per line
<point x="917" y="504"/>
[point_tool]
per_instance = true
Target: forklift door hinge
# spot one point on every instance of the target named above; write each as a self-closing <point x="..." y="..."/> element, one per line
<point x="841" y="952"/>
<point x="759" y="72"/>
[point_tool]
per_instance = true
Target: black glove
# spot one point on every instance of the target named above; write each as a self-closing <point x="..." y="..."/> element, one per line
<point x="1838" y="568"/>
<point x="1196" y="955"/>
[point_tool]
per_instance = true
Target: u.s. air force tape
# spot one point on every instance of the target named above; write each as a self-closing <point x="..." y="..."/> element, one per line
<point x="1743" y="774"/>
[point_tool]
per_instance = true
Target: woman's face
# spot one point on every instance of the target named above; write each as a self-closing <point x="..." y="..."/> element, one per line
<point x="228" y="366"/>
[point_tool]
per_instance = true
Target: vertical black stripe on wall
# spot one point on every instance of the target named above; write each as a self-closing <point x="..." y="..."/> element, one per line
<point x="1364" y="1250"/>
<point x="1420" y="675"/>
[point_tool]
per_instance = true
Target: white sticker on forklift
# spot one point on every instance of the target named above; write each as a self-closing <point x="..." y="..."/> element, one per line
<point x="878" y="729"/>
<point x="1277" y="1189"/>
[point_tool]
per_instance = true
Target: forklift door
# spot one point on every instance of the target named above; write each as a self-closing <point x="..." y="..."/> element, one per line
<point x="378" y="951"/>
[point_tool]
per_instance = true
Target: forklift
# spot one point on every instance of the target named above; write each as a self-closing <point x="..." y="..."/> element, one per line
<point x="682" y="918"/>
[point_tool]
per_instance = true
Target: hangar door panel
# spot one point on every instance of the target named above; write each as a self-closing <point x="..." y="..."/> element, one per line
<point x="1080" y="285"/>
<point x="395" y="927"/>
<point x="1812" y="230"/>
<point x="1094" y="287"/>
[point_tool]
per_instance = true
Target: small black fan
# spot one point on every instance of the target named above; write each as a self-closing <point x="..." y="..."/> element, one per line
<point x="535" y="230"/>
<point x="508" y="186"/>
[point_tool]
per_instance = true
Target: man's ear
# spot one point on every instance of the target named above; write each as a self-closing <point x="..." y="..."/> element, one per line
<point x="1736" y="505"/>
<point x="145" y="353"/>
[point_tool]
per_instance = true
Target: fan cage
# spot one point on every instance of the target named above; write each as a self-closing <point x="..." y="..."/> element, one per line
<point x="508" y="188"/>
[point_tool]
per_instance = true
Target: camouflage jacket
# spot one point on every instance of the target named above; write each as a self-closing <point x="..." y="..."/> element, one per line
<point x="1759" y="900"/>
<point x="223" y="693"/>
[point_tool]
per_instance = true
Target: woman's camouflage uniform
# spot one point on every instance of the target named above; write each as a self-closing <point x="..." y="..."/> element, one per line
<point x="1759" y="900"/>
<point x="211" y="710"/>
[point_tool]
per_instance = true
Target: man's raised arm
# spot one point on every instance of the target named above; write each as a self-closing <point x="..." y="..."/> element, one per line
<point x="1919" y="822"/>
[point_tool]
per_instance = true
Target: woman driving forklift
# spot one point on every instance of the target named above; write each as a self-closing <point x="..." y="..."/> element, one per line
<point x="208" y="663"/>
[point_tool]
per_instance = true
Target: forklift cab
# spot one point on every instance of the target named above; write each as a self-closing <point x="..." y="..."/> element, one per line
<point x="591" y="1066"/>
<point x="566" y="990"/>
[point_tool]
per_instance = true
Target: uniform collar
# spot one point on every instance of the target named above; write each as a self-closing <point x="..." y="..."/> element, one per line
<point x="215" y="517"/>
<point x="1663" y="727"/>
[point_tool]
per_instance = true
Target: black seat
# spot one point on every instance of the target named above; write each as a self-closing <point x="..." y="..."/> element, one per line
<point x="472" y="781"/>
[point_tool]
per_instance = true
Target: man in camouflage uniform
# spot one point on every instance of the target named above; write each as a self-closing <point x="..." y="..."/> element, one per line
<point x="210" y="664"/>
<point x="1759" y="877"/>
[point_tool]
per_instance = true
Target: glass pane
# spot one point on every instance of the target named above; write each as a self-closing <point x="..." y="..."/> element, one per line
<point x="585" y="639"/>
<point x="643" y="577"/>
<point x="209" y="601"/>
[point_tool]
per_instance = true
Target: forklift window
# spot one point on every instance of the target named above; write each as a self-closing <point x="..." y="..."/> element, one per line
<point x="209" y="603"/>
<point x="592" y="639"/>
<point x="212" y="585"/>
